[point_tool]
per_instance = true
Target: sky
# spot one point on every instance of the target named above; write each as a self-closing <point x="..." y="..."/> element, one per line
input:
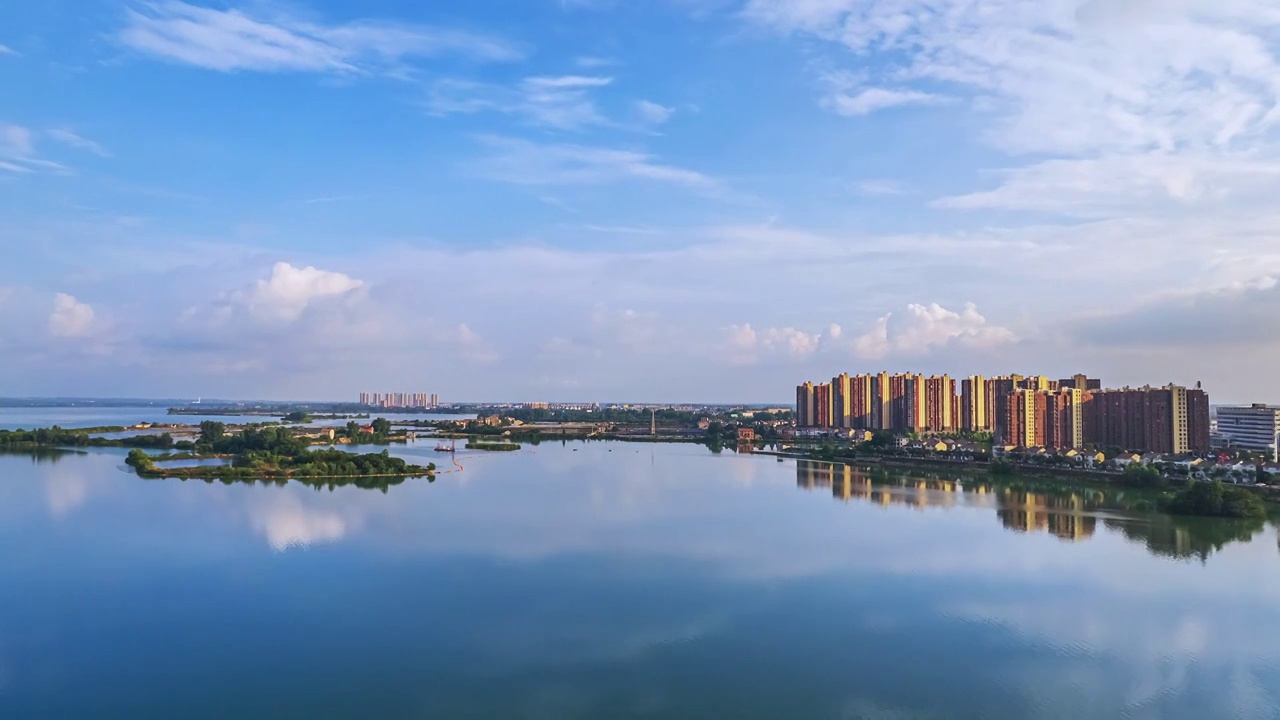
<point x="668" y="200"/>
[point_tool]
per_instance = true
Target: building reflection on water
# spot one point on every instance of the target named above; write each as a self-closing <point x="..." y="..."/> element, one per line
<point x="1068" y="516"/>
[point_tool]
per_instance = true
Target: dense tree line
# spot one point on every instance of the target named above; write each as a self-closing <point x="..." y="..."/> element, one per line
<point x="1213" y="499"/>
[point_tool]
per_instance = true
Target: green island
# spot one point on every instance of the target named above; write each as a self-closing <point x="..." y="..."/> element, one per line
<point x="255" y="452"/>
<point x="272" y="452"/>
<point x="282" y="464"/>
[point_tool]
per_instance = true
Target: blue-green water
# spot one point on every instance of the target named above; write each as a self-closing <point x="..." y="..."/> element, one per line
<point x="614" y="580"/>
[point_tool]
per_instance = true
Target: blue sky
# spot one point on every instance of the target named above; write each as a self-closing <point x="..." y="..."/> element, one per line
<point x="678" y="199"/>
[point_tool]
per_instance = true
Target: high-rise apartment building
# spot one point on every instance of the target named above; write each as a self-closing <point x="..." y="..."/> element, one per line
<point x="822" y="405"/>
<point x="1171" y="419"/>
<point x="860" y="401"/>
<point x="805" y="415"/>
<point x="940" y="404"/>
<point x="975" y="402"/>
<point x="842" y="400"/>
<point x="1023" y="418"/>
<point x="400" y="400"/>
<point x="1064" y="418"/>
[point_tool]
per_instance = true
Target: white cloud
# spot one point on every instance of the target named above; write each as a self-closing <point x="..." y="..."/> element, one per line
<point x="72" y="139"/>
<point x="6" y="50"/>
<point x="869" y="100"/>
<point x="930" y="327"/>
<point x="745" y="344"/>
<point x="528" y="163"/>
<point x="561" y="102"/>
<point x="287" y="293"/>
<point x="232" y="40"/>
<point x="653" y="113"/>
<point x="1119" y="184"/>
<point x="70" y="318"/>
<point x="1094" y="82"/>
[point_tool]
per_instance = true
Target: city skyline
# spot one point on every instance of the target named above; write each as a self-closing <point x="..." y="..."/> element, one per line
<point x="582" y="199"/>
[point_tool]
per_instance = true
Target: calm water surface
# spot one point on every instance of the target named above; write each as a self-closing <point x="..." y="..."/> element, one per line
<point x="619" y="580"/>
<point x="15" y="418"/>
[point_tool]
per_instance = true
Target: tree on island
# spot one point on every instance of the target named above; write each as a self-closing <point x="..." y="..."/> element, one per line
<point x="211" y="431"/>
<point x="298" y="416"/>
<point x="381" y="426"/>
<point x="1214" y="499"/>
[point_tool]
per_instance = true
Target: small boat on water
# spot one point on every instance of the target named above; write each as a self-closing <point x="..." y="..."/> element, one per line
<point x="441" y="447"/>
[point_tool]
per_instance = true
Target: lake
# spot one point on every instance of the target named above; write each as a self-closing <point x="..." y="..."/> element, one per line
<point x="619" y="580"/>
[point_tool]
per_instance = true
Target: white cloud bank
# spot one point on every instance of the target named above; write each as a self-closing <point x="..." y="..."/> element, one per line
<point x="925" y="328"/>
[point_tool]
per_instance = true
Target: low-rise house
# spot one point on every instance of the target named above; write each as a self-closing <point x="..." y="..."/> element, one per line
<point x="1124" y="461"/>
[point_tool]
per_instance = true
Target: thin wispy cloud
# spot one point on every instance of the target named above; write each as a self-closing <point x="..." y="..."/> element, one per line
<point x="528" y="163"/>
<point x="880" y="188"/>
<point x="72" y="139"/>
<point x="653" y="113"/>
<point x="591" y="62"/>
<point x="18" y="154"/>
<point x="869" y="100"/>
<point x="6" y="50"/>
<point x="561" y="102"/>
<point x="235" y="40"/>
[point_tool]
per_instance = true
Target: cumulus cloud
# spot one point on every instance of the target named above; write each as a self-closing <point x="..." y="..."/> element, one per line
<point x="289" y="290"/>
<point x="70" y="318"/>
<point x="745" y="344"/>
<point x="233" y="40"/>
<point x="925" y="328"/>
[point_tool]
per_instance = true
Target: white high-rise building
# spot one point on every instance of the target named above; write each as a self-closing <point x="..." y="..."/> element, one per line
<point x="1253" y="428"/>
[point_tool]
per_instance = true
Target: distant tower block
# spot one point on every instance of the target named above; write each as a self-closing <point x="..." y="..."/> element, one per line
<point x="653" y="421"/>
